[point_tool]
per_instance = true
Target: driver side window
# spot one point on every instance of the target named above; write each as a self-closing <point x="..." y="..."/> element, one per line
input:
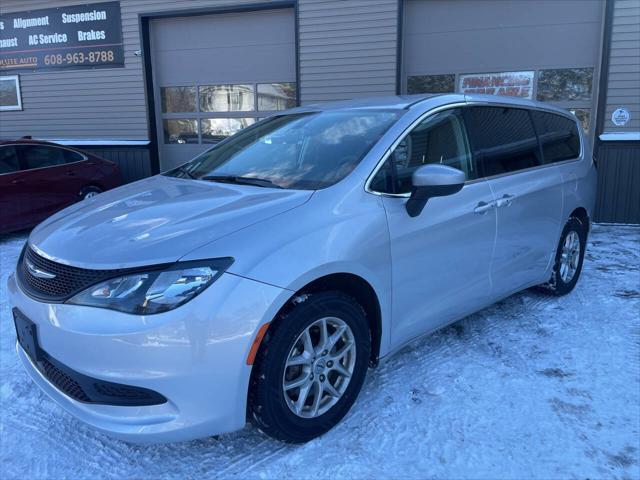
<point x="440" y="138"/>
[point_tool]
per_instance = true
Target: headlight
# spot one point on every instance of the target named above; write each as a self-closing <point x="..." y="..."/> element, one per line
<point x="154" y="291"/>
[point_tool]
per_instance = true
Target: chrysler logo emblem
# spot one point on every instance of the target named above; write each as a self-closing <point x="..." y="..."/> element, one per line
<point x="36" y="272"/>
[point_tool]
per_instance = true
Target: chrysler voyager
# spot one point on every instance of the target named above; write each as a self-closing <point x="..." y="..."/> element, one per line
<point x="263" y="278"/>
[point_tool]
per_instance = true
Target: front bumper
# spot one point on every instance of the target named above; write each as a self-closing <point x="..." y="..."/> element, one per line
<point x="195" y="356"/>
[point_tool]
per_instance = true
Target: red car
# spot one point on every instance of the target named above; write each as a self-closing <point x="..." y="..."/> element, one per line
<point x="39" y="178"/>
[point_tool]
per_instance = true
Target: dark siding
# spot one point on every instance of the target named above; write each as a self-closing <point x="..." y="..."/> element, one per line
<point x="618" y="179"/>
<point x="133" y="161"/>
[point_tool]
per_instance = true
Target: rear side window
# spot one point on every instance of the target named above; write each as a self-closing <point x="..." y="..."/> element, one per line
<point x="41" y="156"/>
<point x="558" y="135"/>
<point x="504" y="139"/>
<point x="8" y="160"/>
<point x="70" y="156"/>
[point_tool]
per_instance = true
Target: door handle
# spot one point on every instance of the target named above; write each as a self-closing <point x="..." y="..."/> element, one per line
<point x="483" y="207"/>
<point x="71" y="173"/>
<point x="505" y="201"/>
<point x="16" y="181"/>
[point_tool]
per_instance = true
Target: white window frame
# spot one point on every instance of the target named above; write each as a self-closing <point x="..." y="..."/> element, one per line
<point x="16" y="79"/>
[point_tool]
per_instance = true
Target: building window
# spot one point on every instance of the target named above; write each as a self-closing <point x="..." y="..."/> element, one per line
<point x="276" y="96"/>
<point x="568" y="88"/>
<point x="10" y="96"/>
<point x="564" y="84"/>
<point x="218" y="111"/>
<point x="215" y="130"/>
<point x="226" y="98"/>
<point x="583" y="115"/>
<point x="178" y="99"/>
<point x="431" y="84"/>
<point x="180" y="131"/>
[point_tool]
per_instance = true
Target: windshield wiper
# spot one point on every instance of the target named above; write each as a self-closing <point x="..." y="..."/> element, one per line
<point x="255" y="181"/>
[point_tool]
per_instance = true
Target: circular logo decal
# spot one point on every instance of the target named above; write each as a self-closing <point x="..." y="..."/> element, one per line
<point x="620" y="117"/>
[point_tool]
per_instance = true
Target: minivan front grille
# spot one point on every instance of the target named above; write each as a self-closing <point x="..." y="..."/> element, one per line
<point x="63" y="382"/>
<point x="92" y="390"/>
<point x="55" y="282"/>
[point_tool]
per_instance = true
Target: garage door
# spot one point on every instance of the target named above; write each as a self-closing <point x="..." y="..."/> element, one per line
<point x="541" y="50"/>
<point x="215" y="74"/>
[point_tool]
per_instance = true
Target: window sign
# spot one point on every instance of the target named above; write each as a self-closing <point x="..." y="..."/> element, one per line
<point x="620" y="117"/>
<point x="510" y="84"/>
<point x="10" y="97"/>
<point x="78" y="36"/>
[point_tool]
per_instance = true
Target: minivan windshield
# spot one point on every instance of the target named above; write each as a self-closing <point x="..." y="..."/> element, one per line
<point x="306" y="151"/>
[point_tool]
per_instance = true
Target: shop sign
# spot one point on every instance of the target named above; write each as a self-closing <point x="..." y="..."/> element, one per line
<point x="510" y="84"/>
<point x="80" y="36"/>
<point x="620" y="117"/>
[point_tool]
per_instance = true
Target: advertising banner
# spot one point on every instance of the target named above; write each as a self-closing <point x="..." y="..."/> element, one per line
<point x="81" y="36"/>
<point x="511" y="84"/>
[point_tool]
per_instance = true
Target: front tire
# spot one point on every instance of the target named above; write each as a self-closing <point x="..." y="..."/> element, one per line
<point x="569" y="257"/>
<point x="310" y="367"/>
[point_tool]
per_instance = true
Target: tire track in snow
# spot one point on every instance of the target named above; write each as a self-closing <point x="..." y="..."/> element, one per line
<point x="470" y="401"/>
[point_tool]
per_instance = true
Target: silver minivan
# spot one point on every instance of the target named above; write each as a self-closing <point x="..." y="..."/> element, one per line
<point x="262" y="279"/>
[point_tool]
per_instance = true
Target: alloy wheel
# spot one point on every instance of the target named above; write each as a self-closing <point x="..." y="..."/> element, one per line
<point x="570" y="256"/>
<point x="319" y="367"/>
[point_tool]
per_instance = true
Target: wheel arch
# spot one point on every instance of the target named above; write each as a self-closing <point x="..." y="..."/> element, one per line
<point x="581" y="214"/>
<point x="350" y="284"/>
<point x="362" y="292"/>
<point x="91" y="184"/>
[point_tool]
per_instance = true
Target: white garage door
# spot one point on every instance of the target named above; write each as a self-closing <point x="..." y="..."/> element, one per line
<point x="544" y="50"/>
<point x="215" y="74"/>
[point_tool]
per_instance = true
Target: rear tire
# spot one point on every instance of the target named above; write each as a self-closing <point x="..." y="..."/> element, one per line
<point x="89" y="192"/>
<point x="294" y="351"/>
<point x="569" y="257"/>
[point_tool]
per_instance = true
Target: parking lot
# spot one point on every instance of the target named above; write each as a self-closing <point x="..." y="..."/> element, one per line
<point x="533" y="387"/>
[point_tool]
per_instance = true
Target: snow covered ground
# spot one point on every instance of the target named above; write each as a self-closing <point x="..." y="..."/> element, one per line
<point x="533" y="387"/>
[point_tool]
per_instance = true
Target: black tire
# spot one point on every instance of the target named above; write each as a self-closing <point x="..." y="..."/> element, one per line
<point x="557" y="284"/>
<point x="89" y="191"/>
<point x="267" y="408"/>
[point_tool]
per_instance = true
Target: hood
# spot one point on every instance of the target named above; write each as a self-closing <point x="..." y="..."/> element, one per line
<point x="157" y="220"/>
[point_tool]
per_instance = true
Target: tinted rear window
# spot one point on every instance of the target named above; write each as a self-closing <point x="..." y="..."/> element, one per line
<point x="8" y="159"/>
<point x="70" y="156"/>
<point x="41" y="156"/>
<point x="558" y="135"/>
<point x="504" y="139"/>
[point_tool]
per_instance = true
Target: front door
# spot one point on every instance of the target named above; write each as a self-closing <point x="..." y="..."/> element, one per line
<point x="441" y="259"/>
<point x="528" y="195"/>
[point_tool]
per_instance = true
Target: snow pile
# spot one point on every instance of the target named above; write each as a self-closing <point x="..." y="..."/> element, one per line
<point x="533" y="387"/>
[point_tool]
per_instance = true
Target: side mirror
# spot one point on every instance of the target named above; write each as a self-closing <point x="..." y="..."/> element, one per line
<point x="433" y="180"/>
